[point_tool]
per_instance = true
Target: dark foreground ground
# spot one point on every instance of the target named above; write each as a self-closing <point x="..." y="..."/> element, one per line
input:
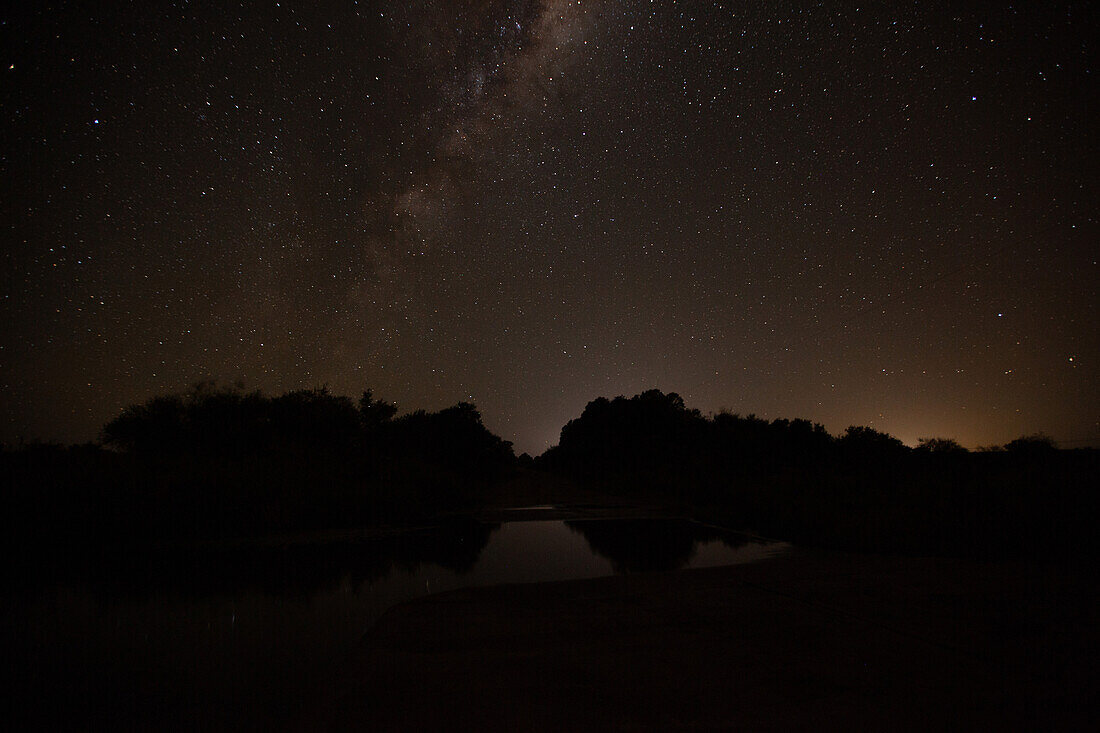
<point x="810" y="641"/>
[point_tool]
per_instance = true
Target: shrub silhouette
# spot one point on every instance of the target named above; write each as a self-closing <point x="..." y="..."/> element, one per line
<point x="654" y="440"/>
<point x="613" y="437"/>
<point x="866" y="441"/>
<point x="221" y="460"/>
<point x="158" y="424"/>
<point x="862" y="490"/>
<point x="1031" y="445"/>
<point x="940" y="446"/>
<point x="213" y="421"/>
<point x="375" y="413"/>
<point x="308" y="419"/>
<point x="453" y="438"/>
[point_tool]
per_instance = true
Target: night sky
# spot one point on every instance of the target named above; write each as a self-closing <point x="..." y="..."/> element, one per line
<point x="878" y="215"/>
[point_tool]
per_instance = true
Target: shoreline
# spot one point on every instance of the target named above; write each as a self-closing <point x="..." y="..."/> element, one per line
<point x="810" y="639"/>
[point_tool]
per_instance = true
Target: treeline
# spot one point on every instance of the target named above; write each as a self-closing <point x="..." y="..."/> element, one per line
<point x="863" y="489"/>
<point x="218" y="461"/>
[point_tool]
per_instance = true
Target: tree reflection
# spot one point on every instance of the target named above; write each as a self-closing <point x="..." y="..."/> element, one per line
<point x="645" y="545"/>
<point x="298" y="569"/>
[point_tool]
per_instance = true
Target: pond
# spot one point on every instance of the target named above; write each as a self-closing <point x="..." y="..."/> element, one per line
<point x="236" y="638"/>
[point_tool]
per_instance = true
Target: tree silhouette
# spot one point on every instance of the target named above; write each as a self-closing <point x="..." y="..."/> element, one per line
<point x="375" y="413"/>
<point x="864" y="440"/>
<point x="221" y="460"/>
<point x="452" y="438"/>
<point x="158" y="424"/>
<point x="939" y="446"/>
<point x="1036" y="444"/>
<point x="642" y="545"/>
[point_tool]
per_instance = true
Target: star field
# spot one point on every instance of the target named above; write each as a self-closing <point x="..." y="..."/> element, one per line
<point x="859" y="215"/>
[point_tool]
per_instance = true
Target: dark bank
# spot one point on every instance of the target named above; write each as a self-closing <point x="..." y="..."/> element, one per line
<point x="223" y="558"/>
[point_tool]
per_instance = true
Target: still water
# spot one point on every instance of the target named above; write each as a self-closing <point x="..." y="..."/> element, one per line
<point x="240" y="639"/>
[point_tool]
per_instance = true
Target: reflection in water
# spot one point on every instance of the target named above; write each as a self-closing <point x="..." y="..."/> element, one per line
<point x="286" y="570"/>
<point x="240" y="639"/>
<point x="640" y="545"/>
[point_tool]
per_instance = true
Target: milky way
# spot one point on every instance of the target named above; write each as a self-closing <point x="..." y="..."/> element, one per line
<point x="857" y="215"/>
